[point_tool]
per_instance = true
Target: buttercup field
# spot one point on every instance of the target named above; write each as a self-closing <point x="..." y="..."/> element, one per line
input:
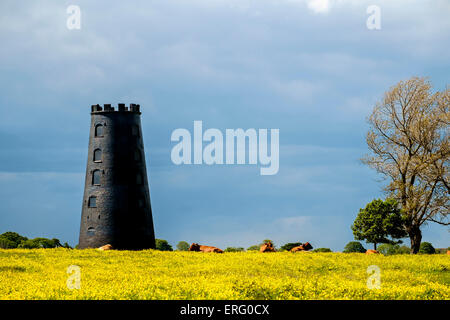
<point x="151" y="274"/>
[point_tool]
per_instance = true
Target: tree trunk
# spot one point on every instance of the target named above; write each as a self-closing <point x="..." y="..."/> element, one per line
<point x="415" y="235"/>
<point x="375" y="246"/>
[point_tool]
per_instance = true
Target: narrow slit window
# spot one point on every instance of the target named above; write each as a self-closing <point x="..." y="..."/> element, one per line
<point x="92" y="203"/>
<point x="97" y="155"/>
<point x="99" y="130"/>
<point x="139" y="179"/>
<point x="137" y="155"/>
<point x="96" y="177"/>
<point x="135" y="131"/>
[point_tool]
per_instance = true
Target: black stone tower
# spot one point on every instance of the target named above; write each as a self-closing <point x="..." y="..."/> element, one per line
<point x="116" y="204"/>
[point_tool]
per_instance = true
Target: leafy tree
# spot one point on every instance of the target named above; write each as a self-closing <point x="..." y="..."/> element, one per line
<point x="354" y="246"/>
<point x="183" y="246"/>
<point x="322" y="250"/>
<point x="234" y="249"/>
<point x="410" y="145"/>
<point x="426" y="248"/>
<point x="253" y="248"/>
<point x="13" y="238"/>
<point x="379" y="220"/>
<point x="289" y="246"/>
<point x="163" y="245"/>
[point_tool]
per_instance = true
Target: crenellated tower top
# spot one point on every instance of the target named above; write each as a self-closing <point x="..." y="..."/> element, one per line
<point x="96" y="108"/>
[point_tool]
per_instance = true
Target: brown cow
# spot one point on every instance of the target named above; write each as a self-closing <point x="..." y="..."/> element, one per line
<point x="370" y="251"/>
<point x="267" y="247"/>
<point x="448" y="251"/>
<point x="105" y="247"/>
<point x="197" y="247"/>
<point x="304" y="247"/>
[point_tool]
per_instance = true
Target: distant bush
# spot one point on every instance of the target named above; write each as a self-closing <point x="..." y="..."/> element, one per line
<point x="37" y="243"/>
<point x="389" y="249"/>
<point x="253" y="248"/>
<point x="163" y="245"/>
<point x="289" y="246"/>
<point x="183" y="246"/>
<point x="234" y="249"/>
<point x="404" y="250"/>
<point x="426" y="248"/>
<point x="9" y="240"/>
<point x="354" y="246"/>
<point x="66" y="245"/>
<point x="7" y="244"/>
<point x="322" y="250"/>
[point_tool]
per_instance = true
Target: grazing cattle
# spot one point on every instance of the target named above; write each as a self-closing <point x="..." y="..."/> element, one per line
<point x="267" y="247"/>
<point x="197" y="247"/>
<point x="105" y="247"/>
<point x="372" y="251"/>
<point x="304" y="247"/>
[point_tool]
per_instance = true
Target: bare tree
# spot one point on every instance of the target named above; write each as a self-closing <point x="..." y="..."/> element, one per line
<point x="409" y="143"/>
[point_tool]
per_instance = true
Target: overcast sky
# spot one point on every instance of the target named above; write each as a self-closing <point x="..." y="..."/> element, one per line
<point x="311" y="69"/>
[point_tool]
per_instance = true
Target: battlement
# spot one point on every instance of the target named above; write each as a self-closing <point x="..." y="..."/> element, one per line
<point x="96" y="108"/>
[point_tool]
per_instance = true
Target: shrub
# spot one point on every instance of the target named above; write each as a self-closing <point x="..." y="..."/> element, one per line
<point x="66" y="245"/>
<point x="37" y="243"/>
<point x="404" y="250"/>
<point x="163" y="245"/>
<point x="7" y="244"/>
<point x="322" y="250"/>
<point x="234" y="249"/>
<point x="354" y="246"/>
<point x="426" y="248"/>
<point x="253" y="248"/>
<point x="183" y="246"/>
<point x="388" y="249"/>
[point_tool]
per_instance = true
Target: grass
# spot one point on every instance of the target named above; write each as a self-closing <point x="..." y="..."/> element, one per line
<point x="150" y="274"/>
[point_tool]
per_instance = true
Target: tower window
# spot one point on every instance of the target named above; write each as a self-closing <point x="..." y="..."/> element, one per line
<point x="98" y="155"/>
<point x="139" y="179"/>
<point x="135" y="131"/>
<point x="96" y="177"/>
<point x="99" y="130"/>
<point x="92" y="203"/>
<point x="90" y="231"/>
<point x="137" y="155"/>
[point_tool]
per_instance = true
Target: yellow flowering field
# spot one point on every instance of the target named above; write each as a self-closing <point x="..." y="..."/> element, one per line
<point x="151" y="274"/>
